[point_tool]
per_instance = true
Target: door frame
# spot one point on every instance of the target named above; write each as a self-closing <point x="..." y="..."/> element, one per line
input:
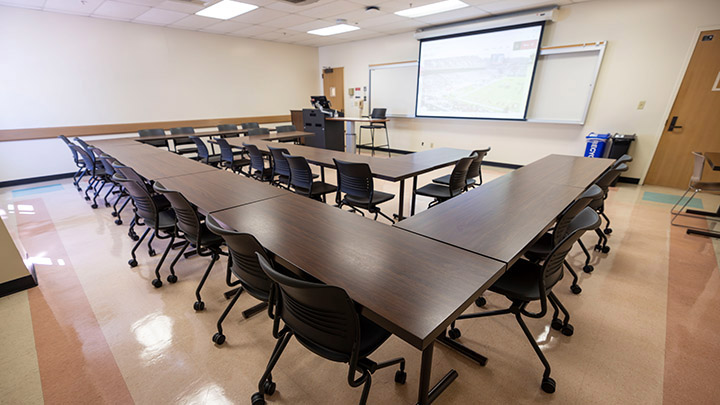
<point x="676" y="90"/>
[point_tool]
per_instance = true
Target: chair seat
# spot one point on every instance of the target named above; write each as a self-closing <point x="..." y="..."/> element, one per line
<point x="373" y="126"/>
<point x="236" y="163"/>
<point x="446" y="180"/>
<point x="207" y="238"/>
<point x="318" y="188"/>
<point x="185" y="151"/>
<point x="378" y="198"/>
<point x="705" y="186"/>
<point x="265" y="175"/>
<point x="435" y="190"/>
<point x="161" y="202"/>
<point x="540" y="249"/>
<point x="520" y="282"/>
<point x="160" y="143"/>
<point x="166" y="220"/>
<point x="212" y="160"/>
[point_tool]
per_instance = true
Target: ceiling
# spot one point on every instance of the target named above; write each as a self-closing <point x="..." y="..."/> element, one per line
<point x="280" y="21"/>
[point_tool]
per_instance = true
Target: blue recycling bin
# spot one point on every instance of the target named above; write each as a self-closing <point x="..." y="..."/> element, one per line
<point x="595" y="147"/>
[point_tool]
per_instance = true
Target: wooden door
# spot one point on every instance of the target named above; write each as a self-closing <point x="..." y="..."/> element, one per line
<point x="333" y="87"/>
<point x="697" y="108"/>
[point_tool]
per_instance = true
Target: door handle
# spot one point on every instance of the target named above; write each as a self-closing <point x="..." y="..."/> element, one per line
<point x="673" y="124"/>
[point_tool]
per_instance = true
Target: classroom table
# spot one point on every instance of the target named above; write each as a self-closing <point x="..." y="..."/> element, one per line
<point x="392" y="274"/>
<point x="351" y="128"/>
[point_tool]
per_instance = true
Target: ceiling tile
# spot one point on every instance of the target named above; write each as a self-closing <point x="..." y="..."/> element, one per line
<point x="270" y="36"/>
<point x="373" y="2"/>
<point x="181" y="6"/>
<point x="259" y="16"/>
<point x="119" y="11"/>
<point x="79" y="7"/>
<point x="398" y="27"/>
<point x="34" y="4"/>
<point x="254" y="30"/>
<point x="312" y="25"/>
<point x="288" y="21"/>
<point x="159" y="16"/>
<point x="355" y="16"/>
<point x="466" y="13"/>
<point x="292" y="8"/>
<point x="381" y="20"/>
<point x="149" y="3"/>
<point x="333" y="8"/>
<point x="225" y="27"/>
<point x="397" y="5"/>
<point x="261" y="2"/>
<point x="506" y="6"/>
<point x="194" y="22"/>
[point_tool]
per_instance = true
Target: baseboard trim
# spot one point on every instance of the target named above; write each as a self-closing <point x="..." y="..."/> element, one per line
<point x="629" y="180"/>
<point x="31" y="180"/>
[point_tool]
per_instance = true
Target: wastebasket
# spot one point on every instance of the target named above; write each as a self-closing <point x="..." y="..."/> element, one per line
<point x="595" y="146"/>
<point x="620" y="146"/>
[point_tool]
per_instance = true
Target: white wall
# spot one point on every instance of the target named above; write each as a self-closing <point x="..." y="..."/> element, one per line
<point x="64" y="70"/>
<point x="649" y="41"/>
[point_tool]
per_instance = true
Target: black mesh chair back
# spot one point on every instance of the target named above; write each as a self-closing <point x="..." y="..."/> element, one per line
<point x="301" y="176"/>
<point x="143" y="201"/>
<point x="623" y="159"/>
<point x="154" y="132"/>
<point x="562" y="227"/>
<point x="70" y="145"/>
<point x="256" y="160"/>
<point x="202" y="150"/>
<point x="378" y="113"/>
<point x="187" y="216"/>
<point x="129" y="173"/>
<point x="258" y="131"/>
<point x="459" y="175"/>
<point x="354" y="179"/>
<point x="285" y="128"/>
<point x="474" y="169"/>
<point x="553" y="266"/>
<point x="226" y="152"/>
<point x="84" y="145"/>
<point x="245" y="266"/>
<point x="280" y="166"/>
<point x="610" y="176"/>
<point x="322" y="317"/>
<point x="228" y="127"/>
<point x="250" y="125"/>
<point x="182" y="130"/>
<point x="85" y="156"/>
<point x="108" y="162"/>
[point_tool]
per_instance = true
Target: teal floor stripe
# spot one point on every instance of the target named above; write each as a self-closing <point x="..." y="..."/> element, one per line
<point x="671" y="199"/>
<point x="36" y="190"/>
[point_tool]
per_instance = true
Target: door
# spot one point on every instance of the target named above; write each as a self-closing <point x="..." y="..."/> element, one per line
<point x="333" y="87"/>
<point x="694" y="121"/>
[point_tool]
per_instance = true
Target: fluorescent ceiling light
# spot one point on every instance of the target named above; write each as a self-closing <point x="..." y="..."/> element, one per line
<point x="226" y="9"/>
<point x="433" y="8"/>
<point x="335" y="29"/>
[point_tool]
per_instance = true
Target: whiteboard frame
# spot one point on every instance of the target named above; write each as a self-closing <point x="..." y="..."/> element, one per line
<point x="548" y="50"/>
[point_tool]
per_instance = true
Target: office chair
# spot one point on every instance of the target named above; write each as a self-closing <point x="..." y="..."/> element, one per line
<point x="378" y="113"/>
<point x="244" y="265"/>
<point x="196" y="233"/>
<point x="457" y="184"/>
<point x="279" y="166"/>
<point x="84" y="145"/>
<point x="228" y="127"/>
<point x="326" y="321"/>
<point x="158" y="143"/>
<point x="540" y="250"/>
<point x="598" y="204"/>
<point x="96" y="173"/>
<point x="301" y="179"/>
<point x="285" y="128"/>
<point x="258" y="131"/>
<point x="697" y="186"/>
<point x="230" y="159"/>
<point x="160" y="222"/>
<point x="525" y="282"/>
<point x="183" y="141"/>
<point x="356" y="181"/>
<point x="203" y="153"/>
<point x="473" y="171"/>
<point x="257" y="164"/>
<point x="108" y="162"/>
<point x="78" y="162"/>
<point x="250" y="125"/>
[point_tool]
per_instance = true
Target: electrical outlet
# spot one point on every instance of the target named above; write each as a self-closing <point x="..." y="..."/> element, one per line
<point x="641" y="105"/>
<point x="432" y="145"/>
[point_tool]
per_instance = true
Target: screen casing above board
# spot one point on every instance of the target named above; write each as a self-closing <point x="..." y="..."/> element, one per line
<point x="478" y="75"/>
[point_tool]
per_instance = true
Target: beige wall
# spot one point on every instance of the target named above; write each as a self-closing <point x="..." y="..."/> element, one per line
<point x="63" y="70"/>
<point x="649" y="43"/>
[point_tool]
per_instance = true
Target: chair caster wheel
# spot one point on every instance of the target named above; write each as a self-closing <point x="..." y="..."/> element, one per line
<point x="598" y="247"/>
<point x="605" y="249"/>
<point x="548" y="385"/>
<point x="575" y="289"/>
<point x="151" y="252"/>
<point x="589" y="268"/>
<point x="608" y="231"/>
<point x="157" y="283"/>
<point x="113" y="213"/>
<point x="118" y="222"/>
<point x="218" y="339"/>
<point x="567" y="330"/>
<point x="87" y="198"/>
<point x="257" y="399"/>
<point x="269" y="387"/>
<point x="556" y="324"/>
<point x="481" y="301"/>
<point x="132" y="262"/>
<point x="454" y="333"/>
<point x="107" y="205"/>
<point x="94" y="206"/>
<point x="400" y="377"/>
<point x="199" y="305"/>
<point x="172" y="279"/>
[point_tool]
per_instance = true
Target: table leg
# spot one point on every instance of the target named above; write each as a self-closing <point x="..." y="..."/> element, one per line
<point x="350" y="136"/>
<point x="412" y="202"/>
<point x="425" y="394"/>
<point x="401" y="202"/>
<point x="462" y="349"/>
<point x="322" y="173"/>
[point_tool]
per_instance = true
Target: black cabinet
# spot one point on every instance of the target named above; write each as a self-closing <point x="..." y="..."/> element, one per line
<point x="328" y="134"/>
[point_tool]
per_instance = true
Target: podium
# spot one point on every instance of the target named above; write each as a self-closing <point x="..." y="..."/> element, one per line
<point x="328" y="134"/>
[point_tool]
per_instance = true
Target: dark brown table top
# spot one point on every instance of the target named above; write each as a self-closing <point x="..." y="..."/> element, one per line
<point x="500" y="219"/>
<point x="409" y="284"/>
<point x="219" y="189"/>
<point x="713" y="159"/>
<point x="358" y="119"/>
<point x="569" y="170"/>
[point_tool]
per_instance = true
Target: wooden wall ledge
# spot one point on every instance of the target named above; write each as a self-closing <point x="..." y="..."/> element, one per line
<point x="89" y="130"/>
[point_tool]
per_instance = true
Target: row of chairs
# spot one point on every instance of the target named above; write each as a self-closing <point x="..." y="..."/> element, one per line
<point x="532" y="278"/>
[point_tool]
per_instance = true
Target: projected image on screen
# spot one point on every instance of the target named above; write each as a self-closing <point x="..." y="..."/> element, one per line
<point x="481" y="75"/>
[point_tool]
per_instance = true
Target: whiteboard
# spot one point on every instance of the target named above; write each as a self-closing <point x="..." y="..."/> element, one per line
<point x="393" y="86"/>
<point x="562" y="87"/>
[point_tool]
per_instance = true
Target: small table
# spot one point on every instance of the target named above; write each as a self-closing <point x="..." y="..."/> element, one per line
<point x="713" y="160"/>
<point x="351" y="130"/>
